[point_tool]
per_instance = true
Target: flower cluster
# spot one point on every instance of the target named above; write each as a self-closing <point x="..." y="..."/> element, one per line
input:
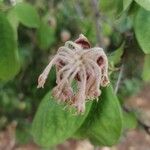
<point x="77" y="61"/>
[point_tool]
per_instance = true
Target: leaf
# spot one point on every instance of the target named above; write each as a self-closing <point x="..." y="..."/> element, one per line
<point x="113" y="6"/>
<point x="45" y="36"/>
<point x="52" y="124"/>
<point x="144" y="3"/>
<point x="9" y="61"/>
<point x="115" y="57"/>
<point x="103" y="126"/>
<point x="88" y="28"/>
<point x="146" y="68"/>
<point x="142" y="29"/>
<point x="134" y="7"/>
<point x="23" y="135"/>
<point x="126" y="4"/>
<point x="13" y="20"/>
<point x="129" y="120"/>
<point x="27" y="15"/>
<point x="124" y="23"/>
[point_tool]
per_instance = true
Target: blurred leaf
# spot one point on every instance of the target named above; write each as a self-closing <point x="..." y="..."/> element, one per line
<point x="88" y="29"/>
<point x="142" y="29"/>
<point x="53" y="125"/>
<point x="113" y="6"/>
<point x="129" y="120"/>
<point x="126" y="4"/>
<point x="27" y="15"/>
<point x="115" y="57"/>
<point x="103" y="126"/>
<point x="146" y="68"/>
<point x="3" y="121"/>
<point x="13" y="20"/>
<point x="130" y="87"/>
<point x="119" y="8"/>
<point x="132" y="11"/>
<point x="23" y="135"/>
<point x="107" y="29"/>
<point x="25" y="55"/>
<point x="144" y="3"/>
<point x="107" y="5"/>
<point x="124" y="23"/>
<point x="9" y="61"/>
<point x="45" y="35"/>
<point x="116" y="39"/>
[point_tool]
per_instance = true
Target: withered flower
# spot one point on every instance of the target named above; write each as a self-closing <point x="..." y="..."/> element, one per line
<point x="77" y="61"/>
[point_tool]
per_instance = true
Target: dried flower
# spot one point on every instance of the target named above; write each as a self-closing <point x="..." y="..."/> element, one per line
<point x="77" y="61"/>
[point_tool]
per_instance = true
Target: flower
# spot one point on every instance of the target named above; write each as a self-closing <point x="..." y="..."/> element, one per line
<point x="77" y="61"/>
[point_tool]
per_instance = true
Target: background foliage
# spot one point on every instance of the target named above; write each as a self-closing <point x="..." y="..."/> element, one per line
<point x="30" y="31"/>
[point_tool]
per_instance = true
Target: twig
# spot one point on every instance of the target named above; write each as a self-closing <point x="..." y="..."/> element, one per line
<point x="97" y="22"/>
<point x="79" y="10"/>
<point x="119" y="79"/>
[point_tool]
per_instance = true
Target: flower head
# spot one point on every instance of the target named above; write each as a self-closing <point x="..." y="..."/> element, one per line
<point x="77" y="61"/>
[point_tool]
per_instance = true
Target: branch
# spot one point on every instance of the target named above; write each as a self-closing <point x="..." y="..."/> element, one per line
<point x="119" y="79"/>
<point x="79" y="10"/>
<point x="97" y="22"/>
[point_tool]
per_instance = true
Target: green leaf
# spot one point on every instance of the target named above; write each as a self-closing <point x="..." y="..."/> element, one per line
<point x="142" y="29"/>
<point x="129" y="120"/>
<point x="126" y="4"/>
<point x="113" y="6"/>
<point x="144" y="3"/>
<point x="27" y="15"/>
<point x="124" y="23"/>
<point x="45" y="36"/>
<point x="53" y="125"/>
<point x="87" y="27"/>
<point x="115" y="57"/>
<point x="13" y="20"/>
<point x="23" y="135"/>
<point x="9" y="61"/>
<point x="103" y="126"/>
<point x="146" y="68"/>
<point x="132" y="11"/>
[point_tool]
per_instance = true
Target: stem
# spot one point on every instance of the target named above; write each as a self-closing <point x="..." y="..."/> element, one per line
<point x="97" y="22"/>
<point x="79" y="10"/>
<point x="119" y="79"/>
